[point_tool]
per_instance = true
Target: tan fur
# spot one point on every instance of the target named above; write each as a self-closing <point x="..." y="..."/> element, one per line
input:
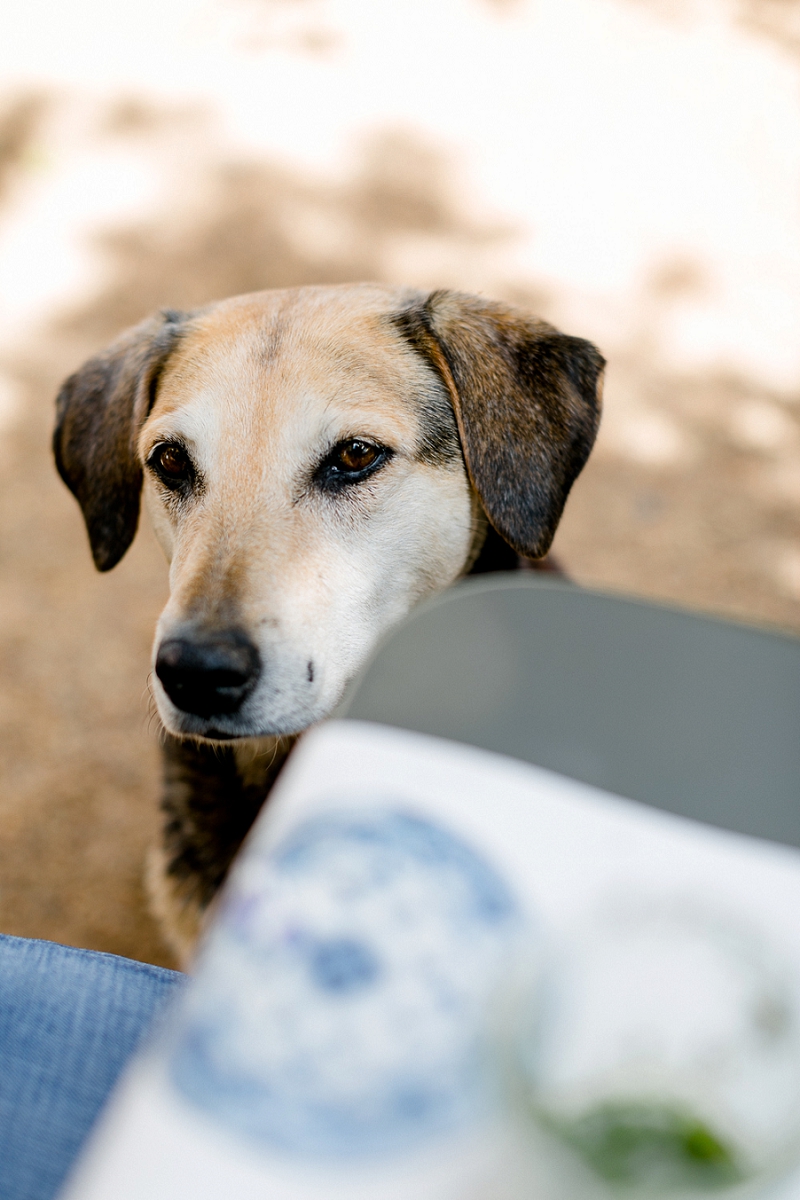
<point x="487" y="413"/>
<point x="258" y="388"/>
<point x="179" y="917"/>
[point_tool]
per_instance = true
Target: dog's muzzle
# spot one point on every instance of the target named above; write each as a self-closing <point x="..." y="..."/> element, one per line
<point x="209" y="673"/>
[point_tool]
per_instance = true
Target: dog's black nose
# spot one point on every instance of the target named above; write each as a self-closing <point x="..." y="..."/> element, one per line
<point x="209" y="674"/>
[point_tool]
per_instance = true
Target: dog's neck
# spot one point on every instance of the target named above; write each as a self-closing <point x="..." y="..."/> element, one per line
<point x="493" y="555"/>
<point x="261" y="758"/>
<point x="496" y="555"/>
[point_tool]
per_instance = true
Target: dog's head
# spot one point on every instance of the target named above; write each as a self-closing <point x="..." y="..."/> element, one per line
<point x="315" y="462"/>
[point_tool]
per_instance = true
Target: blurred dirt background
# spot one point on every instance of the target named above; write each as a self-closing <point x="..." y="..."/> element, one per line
<point x="692" y="496"/>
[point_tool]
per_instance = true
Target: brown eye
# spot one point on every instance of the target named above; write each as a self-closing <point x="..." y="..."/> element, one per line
<point x="349" y="462"/>
<point x="171" y="464"/>
<point x="172" y="461"/>
<point x="355" y="456"/>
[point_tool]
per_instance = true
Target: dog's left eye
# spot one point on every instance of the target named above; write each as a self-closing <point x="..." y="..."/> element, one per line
<point x="171" y="464"/>
<point x="354" y="456"/>
<point x="350" y="461"/>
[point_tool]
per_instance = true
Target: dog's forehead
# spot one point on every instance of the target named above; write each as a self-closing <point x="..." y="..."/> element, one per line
<point x="295" y="349"/>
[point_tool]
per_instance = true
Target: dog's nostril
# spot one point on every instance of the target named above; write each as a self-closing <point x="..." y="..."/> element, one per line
<point x="208" y="674"/>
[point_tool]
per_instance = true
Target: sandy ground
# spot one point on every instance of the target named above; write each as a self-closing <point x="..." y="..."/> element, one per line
<point x="692" y="496"/>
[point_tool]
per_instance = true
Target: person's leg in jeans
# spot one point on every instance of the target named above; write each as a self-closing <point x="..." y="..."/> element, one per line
<point x="69" y="1021"/>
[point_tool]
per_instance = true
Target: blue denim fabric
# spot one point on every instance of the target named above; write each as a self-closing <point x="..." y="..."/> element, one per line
<point x="69" y="1020"/>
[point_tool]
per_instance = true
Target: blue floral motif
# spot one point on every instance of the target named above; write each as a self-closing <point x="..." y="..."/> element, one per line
<point x="342" y="965"/>
<point x="339" y="1008"/>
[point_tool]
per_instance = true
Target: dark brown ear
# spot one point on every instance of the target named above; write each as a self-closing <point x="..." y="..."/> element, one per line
<point x="99" y="412"/>
<point x="527" y="401"/>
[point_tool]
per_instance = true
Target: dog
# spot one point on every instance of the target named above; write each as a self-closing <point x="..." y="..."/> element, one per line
<point x="315" y="462"/>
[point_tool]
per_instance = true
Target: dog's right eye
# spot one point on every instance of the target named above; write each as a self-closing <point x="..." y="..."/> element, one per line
<point x="171" y="464"/>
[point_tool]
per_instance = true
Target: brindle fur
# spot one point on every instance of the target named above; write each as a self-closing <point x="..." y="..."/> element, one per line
<point x="99" y="412"/>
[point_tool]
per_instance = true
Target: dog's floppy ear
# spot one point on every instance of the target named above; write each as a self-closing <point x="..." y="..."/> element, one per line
<point x="527" y="401"/>
<point x="99" y="412"/>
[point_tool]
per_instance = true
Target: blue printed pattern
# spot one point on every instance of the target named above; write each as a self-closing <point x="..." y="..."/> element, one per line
<point x="338" y="1009"/>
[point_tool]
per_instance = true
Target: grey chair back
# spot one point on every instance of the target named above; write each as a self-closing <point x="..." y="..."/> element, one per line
<point x="688" y="713"/>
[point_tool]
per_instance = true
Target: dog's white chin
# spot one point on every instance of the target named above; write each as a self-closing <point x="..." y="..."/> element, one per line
<point x="234" y="726"/>
<point x="227" y="729"/>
